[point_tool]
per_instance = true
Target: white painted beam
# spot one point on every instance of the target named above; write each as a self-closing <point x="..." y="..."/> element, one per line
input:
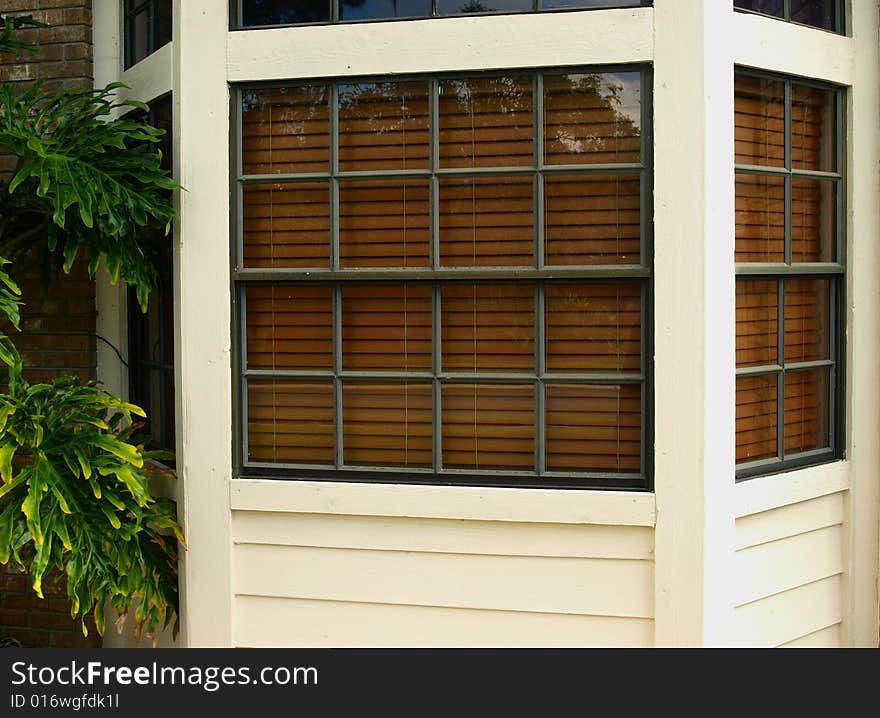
<point x="694" y="320"/>
<point x="202" y="318"/>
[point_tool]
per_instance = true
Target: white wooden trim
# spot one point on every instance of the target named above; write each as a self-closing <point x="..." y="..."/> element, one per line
<point x="768" y="44"/>
<point x="202" y="318"/>
<point x="150" y="78"/>
<point x="770" y="492"/>
<point x="111" y="320"/>
<point x="442" y="44"/>
<point x="693" y="320"/>
<point x="862" y="541"/>
<point x="445" y="502"/>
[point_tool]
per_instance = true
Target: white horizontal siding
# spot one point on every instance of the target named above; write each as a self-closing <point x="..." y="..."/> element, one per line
<point x="316" y="579"/>
<point x="266" y="622"/>
<point x="789" y="566"/>
<point x="826" y="638"/>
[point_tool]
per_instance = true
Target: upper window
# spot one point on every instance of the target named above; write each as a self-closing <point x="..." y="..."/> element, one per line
<point x="446" y="278"/>
<point x="254" y="13"/>
<point x="147" y="28"/>
<point x="151" y="334"/>
<point x="790" y="272"/>
<point x="824" y="14"/>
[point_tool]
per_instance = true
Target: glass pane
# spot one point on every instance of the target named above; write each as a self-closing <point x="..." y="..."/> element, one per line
<point x="593" y="427"/>
<point x="289" y="327"/>
<point x="386" y="424"/>
<point x="384" y="223"/>
<point x="164" y="16"/>
<point x="807" y="330"/>
<point x="759" y="121"/>
<point x="138" y="36"/>
<point x="486" y="122"/>
<point x="757" y="322"/>
<point x="813" y="220"/>
<point x="593" y="327"/>
<point x="286" y="225"/>
<point x="756" y="417"/>
<point x="812" y="129"/>
<point x="285" y="129"/>
<point x="284" y="12"/>
<point x="488" y="426"/>
<point x="377" y="9"/>
<point x="806" y="410"/>
<point x="592" y="118"/>
<point x="488" y="327"/>
<point x="592" y="219"/>
<point x="386" y="327"/>
<point x="765" y="7"/>
<point x="548" y="4"/>
<point x="760" y="218"/>
<point x="455" y="7"/>
<point x="290" y="422"/>
<point x="815" y="13"/>
<point x="383" y="126"/>
<point x="486" y="222"/>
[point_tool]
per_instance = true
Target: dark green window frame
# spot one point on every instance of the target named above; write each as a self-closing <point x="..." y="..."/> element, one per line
<point x="157" y="16"/>
<point x="833" y="271"/>
<point x="540" y="275"/>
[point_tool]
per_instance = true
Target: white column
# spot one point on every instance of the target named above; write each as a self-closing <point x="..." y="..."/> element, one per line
<point x="202" y="312"/>
<point x="694" y="322"/>
<point x="863" y="337"/>
<point x="110" y="300"/>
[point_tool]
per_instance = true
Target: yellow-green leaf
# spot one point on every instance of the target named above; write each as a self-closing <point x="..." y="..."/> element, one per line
<point x="124" y="451"/>
<point x="7" y="451"/>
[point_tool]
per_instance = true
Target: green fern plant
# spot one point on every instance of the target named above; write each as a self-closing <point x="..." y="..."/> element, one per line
<point x="74" y="478"/>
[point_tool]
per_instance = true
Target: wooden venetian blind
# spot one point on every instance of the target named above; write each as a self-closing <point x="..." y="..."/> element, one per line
<point x="592" y="219"/>
<point x="591" y="118"/>
<point x="486" y="122"/>
<point x="402" y="358"/>
<point x="799" y="394"/>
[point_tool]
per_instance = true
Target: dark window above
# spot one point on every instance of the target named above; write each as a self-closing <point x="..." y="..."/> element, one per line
<point x="261" y="13"/>
<point x="823" y="14"/>
<point x="147" y="28"/>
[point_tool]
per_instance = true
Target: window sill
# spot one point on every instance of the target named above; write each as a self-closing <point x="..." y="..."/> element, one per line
<point x="571" y="506"/>
<point x="769" y="492"/>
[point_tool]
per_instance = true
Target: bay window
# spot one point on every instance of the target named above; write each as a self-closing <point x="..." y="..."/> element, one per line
<point x="446" y="278"/>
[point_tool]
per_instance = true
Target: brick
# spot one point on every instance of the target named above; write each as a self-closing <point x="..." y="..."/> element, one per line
<point x="71" y="33"/>
<point x="77" y="16"/>
<point x="12" y="618"/>
<point x="12" y="6"/>
<point x="77" y="51"/>
<point x="28" y="636"/>
<point x="14" y="584"/>
<point x="20" y="600"/>
<point x="55" y="621"/>
<point x="71" y="639"/>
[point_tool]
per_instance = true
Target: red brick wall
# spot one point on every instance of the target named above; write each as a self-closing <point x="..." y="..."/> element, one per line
<point x="57" y="329"/>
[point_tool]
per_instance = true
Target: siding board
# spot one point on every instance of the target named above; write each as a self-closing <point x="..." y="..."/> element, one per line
<point x="310" y="623"/>
<point x="444" y="536"/>
<point x="787" y="563"/>
<point x="787" y="616"/>
<point x="789" y="571"/>
<point x="514" y="583"/>
<point x="826" y="638"/>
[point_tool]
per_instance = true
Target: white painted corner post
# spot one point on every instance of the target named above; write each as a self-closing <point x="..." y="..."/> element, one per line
<point x="202" y="334"/>
<point x="694" y="307"/>
<point x="863" y="320"/>
<point x="110" y="299"/>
